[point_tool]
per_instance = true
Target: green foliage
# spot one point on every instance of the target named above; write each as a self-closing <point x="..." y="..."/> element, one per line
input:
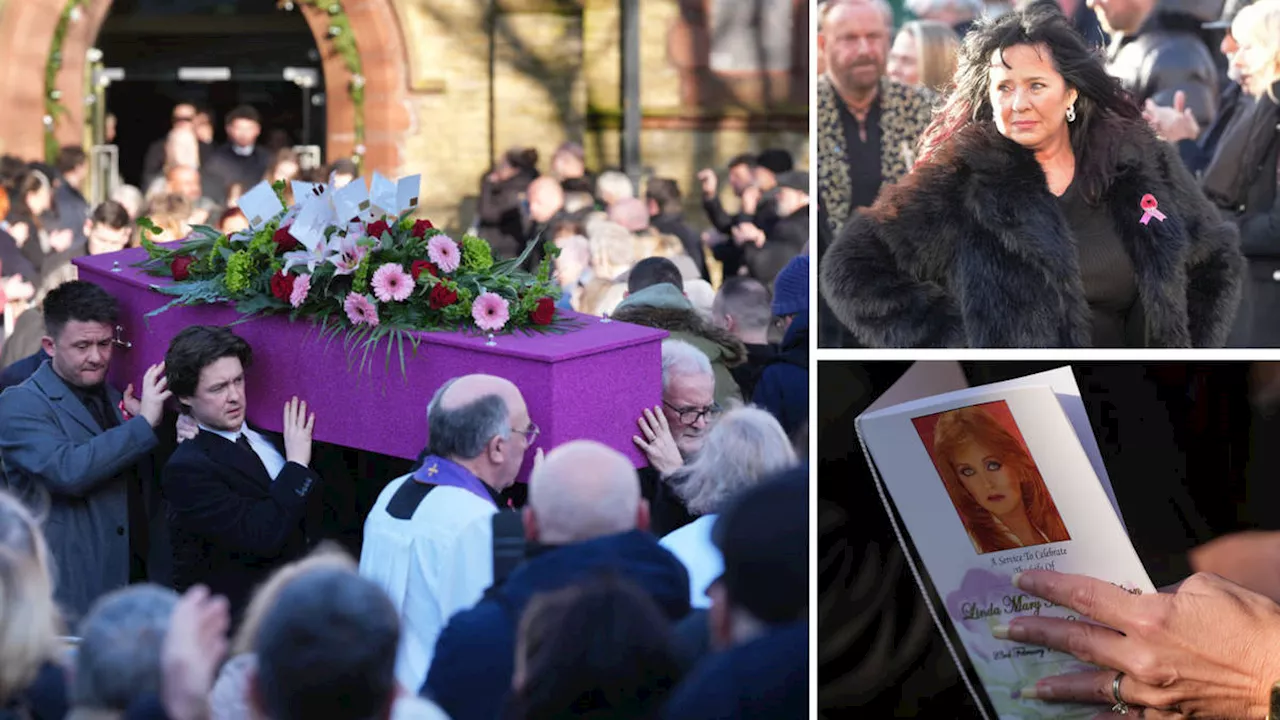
<point x="476" y="253"/>
<point x="239" y="271"/>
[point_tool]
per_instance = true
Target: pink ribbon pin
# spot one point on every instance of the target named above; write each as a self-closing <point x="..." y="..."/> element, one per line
<point x="1149" y="207"/>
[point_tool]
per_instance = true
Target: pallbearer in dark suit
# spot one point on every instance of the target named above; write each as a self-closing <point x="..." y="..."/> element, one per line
<point x="237" y="496"/>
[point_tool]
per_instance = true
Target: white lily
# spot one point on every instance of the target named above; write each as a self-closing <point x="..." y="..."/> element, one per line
<point x="309" y="257"/>
<point x="346" y="251"/>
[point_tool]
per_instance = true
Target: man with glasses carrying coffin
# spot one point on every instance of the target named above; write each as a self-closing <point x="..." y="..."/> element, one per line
<point x="674" y="433"/>
<point x="428" y="541"/>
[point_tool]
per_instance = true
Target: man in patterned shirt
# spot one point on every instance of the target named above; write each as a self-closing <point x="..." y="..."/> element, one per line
<point x="868" y="124"/>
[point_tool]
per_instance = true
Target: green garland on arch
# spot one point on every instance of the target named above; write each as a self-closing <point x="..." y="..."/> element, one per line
<point x="53" y="107"/>
<point x="344" y="43"/>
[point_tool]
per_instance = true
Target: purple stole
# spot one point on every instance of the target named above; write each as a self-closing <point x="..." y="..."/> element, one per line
<point x="437" y="471"/>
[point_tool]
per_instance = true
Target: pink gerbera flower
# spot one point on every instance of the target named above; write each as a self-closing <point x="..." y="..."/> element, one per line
<point x="301" y="288"/>
<point x="490" y="312"/>
<point x="444" y="252"/>
<point x="360" y="310"/>
<point x="392" y="283"/>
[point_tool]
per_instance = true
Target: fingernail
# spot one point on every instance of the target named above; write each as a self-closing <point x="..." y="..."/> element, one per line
<point x="1034" y="693"/>
<point x="1000" y="632"/>
<point x="1017" y="577"/>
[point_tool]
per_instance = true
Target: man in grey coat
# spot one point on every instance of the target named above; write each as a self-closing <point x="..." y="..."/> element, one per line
<point x="66" y="445"/>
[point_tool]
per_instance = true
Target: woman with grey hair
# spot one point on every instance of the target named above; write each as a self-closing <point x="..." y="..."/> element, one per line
<point x="746" y="446"/>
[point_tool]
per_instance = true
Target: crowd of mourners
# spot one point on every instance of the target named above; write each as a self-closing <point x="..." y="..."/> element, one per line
<point x="162" y="557"/>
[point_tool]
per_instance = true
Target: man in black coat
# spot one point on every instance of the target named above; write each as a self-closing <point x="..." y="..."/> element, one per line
<point x="1157" y="49"/>
<point x="241" y="161"/>
<point x="237" y="496"/>
<point x="665" y="216"/>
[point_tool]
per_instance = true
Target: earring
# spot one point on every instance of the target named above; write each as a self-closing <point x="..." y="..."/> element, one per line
<point x="1071" y="112"/>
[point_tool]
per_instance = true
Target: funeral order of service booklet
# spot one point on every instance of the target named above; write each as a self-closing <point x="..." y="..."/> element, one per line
<point x="989" y="482"/>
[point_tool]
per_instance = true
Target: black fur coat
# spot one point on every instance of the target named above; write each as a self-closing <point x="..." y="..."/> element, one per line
<point x="972" y="250"/>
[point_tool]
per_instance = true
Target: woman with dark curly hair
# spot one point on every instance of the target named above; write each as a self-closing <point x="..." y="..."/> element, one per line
<point x="1043" y="212"/>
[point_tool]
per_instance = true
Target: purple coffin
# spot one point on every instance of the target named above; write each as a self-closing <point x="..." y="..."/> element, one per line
<point x="591" y="383"/>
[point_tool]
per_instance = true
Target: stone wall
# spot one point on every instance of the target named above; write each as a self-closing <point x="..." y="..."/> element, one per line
<point x="555" y="72"/>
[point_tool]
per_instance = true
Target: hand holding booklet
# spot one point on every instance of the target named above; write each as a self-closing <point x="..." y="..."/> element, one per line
<point x="989" y="482"/>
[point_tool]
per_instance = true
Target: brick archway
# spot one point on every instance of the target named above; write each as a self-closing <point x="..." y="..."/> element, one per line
<point x="26" y="33"/>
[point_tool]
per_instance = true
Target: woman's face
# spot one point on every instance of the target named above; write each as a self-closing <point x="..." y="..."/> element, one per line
<point x="1257" y="65"/>
<point x="904" y="60"/>
<point x="987" y="478"/>
<point x="1029" y="97"/>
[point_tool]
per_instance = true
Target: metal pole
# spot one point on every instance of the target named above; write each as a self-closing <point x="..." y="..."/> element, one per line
<point x="492" y="23"/>
<point x="630" y="150"/>
<point x="306" y="114"/>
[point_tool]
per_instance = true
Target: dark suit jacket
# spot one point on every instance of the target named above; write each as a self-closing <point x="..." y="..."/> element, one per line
<point x="231" y="525"/>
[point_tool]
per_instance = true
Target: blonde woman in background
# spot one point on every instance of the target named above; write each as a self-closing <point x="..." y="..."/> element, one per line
<point x="32" y="683"/>
<point x="924" y="55"/>
<point x="1243" y="177"/>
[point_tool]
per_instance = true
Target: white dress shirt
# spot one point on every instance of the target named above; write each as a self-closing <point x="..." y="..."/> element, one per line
<point x="432" y="565"/>
<point x="692" y="545"/>
<point x="271" y="458"/>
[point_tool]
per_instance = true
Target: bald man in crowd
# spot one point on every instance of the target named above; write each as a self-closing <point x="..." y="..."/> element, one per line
<point x="185" y="181"/>
<point x="428" y="541"/>
<point x="586" y="517"/>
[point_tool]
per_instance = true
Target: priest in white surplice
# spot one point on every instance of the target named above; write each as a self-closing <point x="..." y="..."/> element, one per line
<point x="429" y="540"/>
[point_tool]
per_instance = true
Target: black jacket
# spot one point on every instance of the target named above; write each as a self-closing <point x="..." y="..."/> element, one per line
<point x="231" y="524"/>
<point x="1242" y="180"/>
<point x="471" y="673"/>
<point x="1166" y="55"/>
<point x="784" y="241"/>
<point x="500" y="214"/>
<point x="763" y="679"/>
<point x="973" y="250"/>
<point x="783" y="389"/>
<point x="225" y="168"/>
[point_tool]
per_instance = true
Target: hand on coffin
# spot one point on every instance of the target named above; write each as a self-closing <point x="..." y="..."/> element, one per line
<point x="1250" y="559"/>
<point x="658" y="445"/>
<point x="1207" y="650"/>
<point x="193" y="650"/>
<point x="187" y="428"/>
<point x="155" y="391"/>
<point x="297" y="432"/>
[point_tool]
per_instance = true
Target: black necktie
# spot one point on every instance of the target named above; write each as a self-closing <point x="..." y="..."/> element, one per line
<point x="242" y="441"/>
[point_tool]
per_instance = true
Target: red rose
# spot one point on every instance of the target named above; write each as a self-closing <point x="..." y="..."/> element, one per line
<point x="376" y="228"/>
<point x="442" y="297"/>
<point x="181" y="267"/>
<point x="283" y="240"/>
<point x="420" y="265"/>
<point x="544" y="313"/>
<point x="420" y="227"/>
<point x="282" y="286"/>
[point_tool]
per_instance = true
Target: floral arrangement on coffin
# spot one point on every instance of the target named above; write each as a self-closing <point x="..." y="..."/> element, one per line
<point x="379" y="274"/>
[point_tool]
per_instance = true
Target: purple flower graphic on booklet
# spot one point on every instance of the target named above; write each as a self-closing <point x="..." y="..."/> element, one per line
<point x="986" y="599"/>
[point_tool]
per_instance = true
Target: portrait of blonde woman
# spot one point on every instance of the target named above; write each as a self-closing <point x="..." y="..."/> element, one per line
<point x="924" y="55"/>
<point x="993" y="482"/>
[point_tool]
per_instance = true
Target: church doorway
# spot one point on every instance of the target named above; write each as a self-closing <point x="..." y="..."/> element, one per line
<point x="217" y="55"/>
